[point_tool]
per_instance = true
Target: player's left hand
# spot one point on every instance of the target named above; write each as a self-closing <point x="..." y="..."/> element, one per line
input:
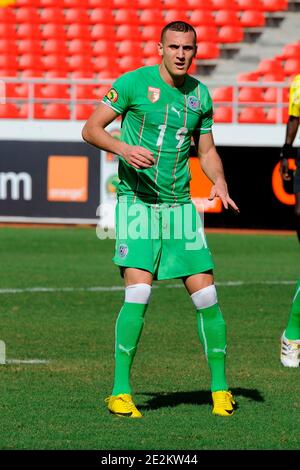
<point x="220" y="190"/>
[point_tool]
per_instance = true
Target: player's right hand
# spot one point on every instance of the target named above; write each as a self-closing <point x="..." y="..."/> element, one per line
<point x="285" y="152"/>
<point x="138" y="157"/>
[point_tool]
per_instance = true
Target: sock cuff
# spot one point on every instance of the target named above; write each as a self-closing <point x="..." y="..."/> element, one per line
<point x="138" y="293"/>
<point x="204" y="298"/>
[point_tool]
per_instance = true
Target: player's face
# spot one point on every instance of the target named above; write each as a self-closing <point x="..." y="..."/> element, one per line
<point x="177" y="50"/>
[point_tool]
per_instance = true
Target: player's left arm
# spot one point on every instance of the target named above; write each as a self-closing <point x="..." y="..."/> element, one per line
<point x="212" y="166"/>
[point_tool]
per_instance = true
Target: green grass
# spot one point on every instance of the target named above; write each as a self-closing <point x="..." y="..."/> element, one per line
<point x="60" y="405"/>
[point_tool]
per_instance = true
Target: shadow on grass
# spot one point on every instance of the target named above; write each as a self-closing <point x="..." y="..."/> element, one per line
<point x="198" y="397"/>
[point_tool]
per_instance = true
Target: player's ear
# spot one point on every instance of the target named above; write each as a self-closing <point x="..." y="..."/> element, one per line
<point x="160" y="49"/>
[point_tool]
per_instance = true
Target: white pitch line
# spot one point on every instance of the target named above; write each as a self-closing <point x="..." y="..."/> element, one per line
<point x="27" y="361"/>
<point x="121" y="288"/>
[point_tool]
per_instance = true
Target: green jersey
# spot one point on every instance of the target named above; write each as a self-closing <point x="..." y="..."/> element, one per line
<point x="162" y="119"/>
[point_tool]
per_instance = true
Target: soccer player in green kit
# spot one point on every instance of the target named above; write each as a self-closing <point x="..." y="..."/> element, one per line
<point x="162" y="108"/>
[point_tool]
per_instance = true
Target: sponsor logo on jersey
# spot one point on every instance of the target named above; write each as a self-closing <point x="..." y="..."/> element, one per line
<point x="112" y="95"/>
<point x="153" y="94"/>
<point x="193" y="102"/>
<point x="123" y="250"/>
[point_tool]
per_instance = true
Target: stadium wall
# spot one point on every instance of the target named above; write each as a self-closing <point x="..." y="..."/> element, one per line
<point x="47" y="174"/>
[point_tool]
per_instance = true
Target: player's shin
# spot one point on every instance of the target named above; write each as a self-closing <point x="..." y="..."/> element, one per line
<point x="212" y="333"/>
<point x="292" y="331"/>
<point x="128" y="330"/>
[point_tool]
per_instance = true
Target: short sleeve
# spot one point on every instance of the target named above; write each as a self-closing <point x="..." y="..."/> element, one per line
<point x="120" y="96"/>
<point x="206" y="121"/>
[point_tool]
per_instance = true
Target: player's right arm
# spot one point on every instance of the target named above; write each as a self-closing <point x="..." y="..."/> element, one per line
<point x="94" y="133"/>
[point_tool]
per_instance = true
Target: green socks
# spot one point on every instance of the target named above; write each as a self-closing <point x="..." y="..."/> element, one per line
<point x="129" y="327"/>
<point x="293" y="327"/>
<point x="212" y="332"/>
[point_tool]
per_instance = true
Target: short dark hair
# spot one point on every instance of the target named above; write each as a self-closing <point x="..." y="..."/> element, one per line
<point x="180" y="26"/>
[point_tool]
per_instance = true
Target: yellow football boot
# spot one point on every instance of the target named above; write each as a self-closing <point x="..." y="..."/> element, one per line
<point x="122" y="405"/>
<point x="223" y="403"/>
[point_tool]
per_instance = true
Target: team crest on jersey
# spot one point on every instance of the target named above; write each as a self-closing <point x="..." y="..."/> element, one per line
<point x="153" y="94"/>
<point x="193" y="102"/>
<point x="112" y="95"/>
<point x="123" y="250"/>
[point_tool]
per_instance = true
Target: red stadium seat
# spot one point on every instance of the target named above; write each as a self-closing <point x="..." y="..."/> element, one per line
<point x="208" y="50"/>
<point x="51" y="15"/>
<point x="290" y="51"/>
<point x="252" y="116"/>
<point x="84" y="92"/>
<point x="7" y="72"/>
<point x="54" y="46"/>
<point x="272" y="77"/>
<point x="7" y="30"/>
<point x="199" y="4"/>
<point x="248" y="77"/>
<point x="277" y="116"/>
<point x="124" y="16"/>
<point x="100" y="91"/>
<point x="76" y="15"/>
<point x="27" y="15"/>
<point x="291" y="67"/>
<point x="269" y="66"/>
<point x="104" y="47"/>
<point x="151" y="33"/>
<point x="222" y="94"/>
<point x="104" y="63"/>
<point x="248" y="94"/>
<point x="75" y="3"/>
<point x="53" y="61"/>
<point x="152" y="60"/>
<point x="30" y="61"/>
<point x="7" y="15"/>
<point x="205" y="33"/>
<point x="125" y="4"/>
<point x="26" y="46"/>
<point x="252" y="19"/>
<point x="227" y="18"/>
<point x="27" y="31"/>
<point x="83" y="111"/>
<point x="10" y="90"/>
<point x="78" y="31"/>
<point x="224" y="5"/>
<point x="8" y="62"/>
<point x="99" y="3"/>
<point x="29" y="3"/>
<point x="81" y="62"/>
<point x="127" y="63"/>
<point x="53" y="31"/>
<point x="202" y="17"/>
<point x="148" y="4"/>
<point x="101" y="15"/>
<point x="79" y="47"/>
<point x="49" y="3"/>
<point x="102" y="31"/>
<point x="9" y="111"/>
<point x="126" y="31"/>
<point x="223" y="114"/>
<point x="255" y="5"/>
<point x="150" y="49"/>
<point x="55" y="90"/>
<point x="231" y="34"/>
<point x="8" y="44"/>
<point x="175" y="15"/>
<point x="151" y="17"/>
<point x="82" y="74"/>
<point x="130" y="48"/>
<point x="31" y="73"/>
<point x="273" y="94"/>
<point x="274" y="5"/>
<point x="56" y="111"/>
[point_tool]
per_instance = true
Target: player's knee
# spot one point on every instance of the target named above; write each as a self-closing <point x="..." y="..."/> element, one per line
<point x="206" y="297"/>
<point x="138" y="293"/>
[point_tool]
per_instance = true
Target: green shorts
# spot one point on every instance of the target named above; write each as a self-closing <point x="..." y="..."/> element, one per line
<point x="168" y="241"/>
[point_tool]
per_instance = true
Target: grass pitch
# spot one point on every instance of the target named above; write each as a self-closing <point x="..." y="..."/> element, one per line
<point x="59" y="405"/>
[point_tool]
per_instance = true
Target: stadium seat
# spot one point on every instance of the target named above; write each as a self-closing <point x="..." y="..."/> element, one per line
<point x="30" y="61"/>
<point x="82" y="74"/>
<point x="254" y="5"/>
<point x="53" y="61"/>
<point x="56" y="111"/>
<point x="223" y="114"/>
<point x="127" y="63"/>
<point x="104" y="47"/>
<point x="253" y="115"/>
<point x="102" y="31"/>
<point x="269" y="66"/>
<point x="84" y="92"/>
<point x="78" y="46"/>
<point x="124" y="16"/>
<point x="130" y="4"/>
<point x="152" y="60"/>
<point x="78" y="31"/>
<point x="27" y="15"/>
<point x="290" y="51"/>
<point x="277" y="116"/>
<point x="291" y="67"/>
<point x="126" y="31"/>
<point x="272" y="77"/>
<point x="55" y="90"/>
<point x="231" y="34"/>
<point x="8" y="44"/>
<point x="249" y="94"/>
<point x="54" y="46"/>
<point x="274" y="5"/>
<point x="49" y="3"/>
<point x="75" y="3"/>
<point x="148" y="4"/>
<point x="104" y="63"/>
<point x="150" y="49"/>
<point x="227" y="18"/>
<point x="202" y="18"/>
<point x="101" y="90"/>
<point x="53" y="31"/>
<point x="208" y="50"/>
<point x="175" y="15"/>
<point x="10" y="91"/>
<point x="222" y="94"/>
<point x="97" y="4"/>
<point x="8" y="62"/>
<point x="9" y="111"/>
<point x="151" y="17"/>
<point x="29" y="46"/>
<point x="224" y="5"/>
<point x="7" y="30"/>
<point x="83" y="111"/>
<point x="151" y="32"/>
<point x="77" y="16"/>
<point x="27" y="31"/>
<point x="7" y="72"/>
<point x="101" y="15"/>
<point x="80" y="62"/>
<point x="206" y="32"/>
<point x="252" y="19"/>
<point x="31" y="73"/>
<point x="128" y="48"/>
<point x="248" y="77"/>
<point x="7" y="15"/>
<point x="51" y="15"/>
<point x="29" y="3"/>
<point x="199" y="4"/>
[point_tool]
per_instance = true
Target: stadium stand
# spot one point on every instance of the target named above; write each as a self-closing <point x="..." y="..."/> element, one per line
<point x="100" y="39"/>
